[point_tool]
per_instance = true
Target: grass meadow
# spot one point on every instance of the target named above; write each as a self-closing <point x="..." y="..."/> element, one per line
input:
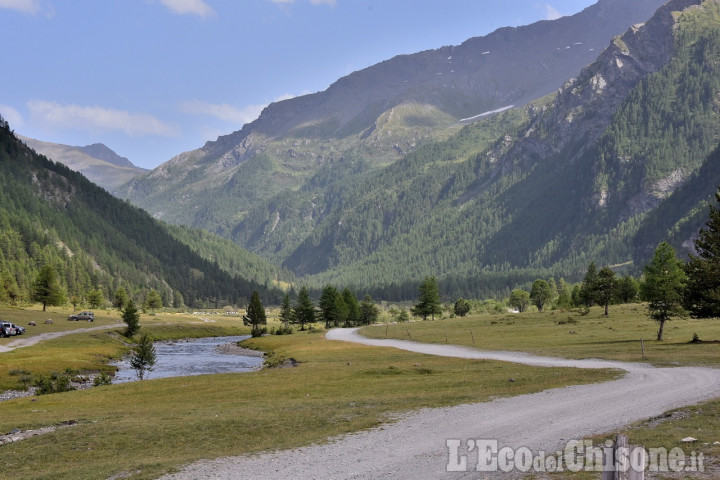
<point x="141" y="430"/>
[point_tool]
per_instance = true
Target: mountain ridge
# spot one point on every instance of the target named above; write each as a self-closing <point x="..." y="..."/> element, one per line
<point x="97" y="162"/>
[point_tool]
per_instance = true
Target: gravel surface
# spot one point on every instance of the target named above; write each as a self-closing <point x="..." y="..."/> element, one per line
<point x="415" y="446"/>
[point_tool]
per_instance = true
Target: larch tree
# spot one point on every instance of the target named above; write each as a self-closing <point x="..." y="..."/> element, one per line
<point x="429" y="299"/>
<point x="47" y="289"/>
<point x="255" y="316"/>
<point x="664" y="286"/>
<point x="702" y="298"/>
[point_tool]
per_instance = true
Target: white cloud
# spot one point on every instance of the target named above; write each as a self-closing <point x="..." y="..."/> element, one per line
<point x="552" y="13"/>
<point x="12" y="116"/>
<point x="189" y="7"/>
<point x="223" y="111"/>
<point x="25" y="6"/>
<point x="78" y="117"/>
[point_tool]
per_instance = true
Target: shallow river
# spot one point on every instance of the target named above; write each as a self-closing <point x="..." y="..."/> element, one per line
<point x="182" y="358"/>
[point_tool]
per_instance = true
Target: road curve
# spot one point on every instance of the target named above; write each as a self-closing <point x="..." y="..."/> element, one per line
<point x="415" y="446"/>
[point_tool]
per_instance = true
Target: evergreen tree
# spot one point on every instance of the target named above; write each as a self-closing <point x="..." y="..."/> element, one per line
<point x="588" y="290"/>
<point x="519" y="300"/>
<point x="286" y="312"/>
<point x="461" y="307"/>
<point x="95" y="298"/>
<point x="304" y="311"/>
<point x="606" y="286"/>
<point x="627" y="289"/>
<point x="47" y="289"/>
<point x="702" y="297"/>
<point x="144" y="357"/>
<point x="329" y="306"/>
<point x="353" y="308"/>
<point x="564" y="294"/>
<point x="369" y="312"/>
<point x="255" y="316"/>
<point x="540" y="293"/>
<point x="429" y="299"/>
<point x="663" y="286"/>
<point x="131" y="317"/>
<point x="153" y="301"/>
<point x="121" y="298"/>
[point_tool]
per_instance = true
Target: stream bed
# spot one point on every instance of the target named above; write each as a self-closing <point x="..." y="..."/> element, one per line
<point x="201" y="356"/>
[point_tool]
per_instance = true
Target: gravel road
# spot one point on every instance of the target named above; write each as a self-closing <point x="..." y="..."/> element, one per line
<point x="415" y="446"/>
<point x="28" y="340"/>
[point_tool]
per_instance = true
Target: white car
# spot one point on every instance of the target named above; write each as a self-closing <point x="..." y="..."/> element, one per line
<point x="7" y="329"/>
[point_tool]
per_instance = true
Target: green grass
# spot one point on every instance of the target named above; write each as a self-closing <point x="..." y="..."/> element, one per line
<point x="151" y="427"/>
<point x="571" y="335"/>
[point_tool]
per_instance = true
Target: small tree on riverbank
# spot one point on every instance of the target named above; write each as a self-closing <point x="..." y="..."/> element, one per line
<point x="131" y="317"/>
<point x="144" y="357"/>
<point x="255" y="317"/>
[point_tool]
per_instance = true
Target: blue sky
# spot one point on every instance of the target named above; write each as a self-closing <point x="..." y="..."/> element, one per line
<point x="154" y="78"/>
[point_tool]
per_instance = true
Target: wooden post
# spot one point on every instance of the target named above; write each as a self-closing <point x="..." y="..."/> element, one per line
<point x="386" y="329"/>
<point x="642" y="345"/>
<point x="445" y="328"/>
<point x="408" y="332"/>
<point x="473" y="336"/>
<point x="621" y="458"/>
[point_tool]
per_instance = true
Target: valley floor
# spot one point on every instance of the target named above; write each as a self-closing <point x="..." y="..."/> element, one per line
<point x="416" y="446"/>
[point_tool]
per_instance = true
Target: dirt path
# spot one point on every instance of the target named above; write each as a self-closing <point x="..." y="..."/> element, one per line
<point x="19" y="342"/>
<point x="415" y="446"/>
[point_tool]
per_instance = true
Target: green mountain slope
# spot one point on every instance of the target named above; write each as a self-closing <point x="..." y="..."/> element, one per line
<point x="620" y="158"/>
<point x="51" y="215"/>
<point x="584" y="178"/>
<point x="374" y="116"/>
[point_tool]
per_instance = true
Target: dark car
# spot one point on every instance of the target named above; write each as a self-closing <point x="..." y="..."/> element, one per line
<point x="18" y="329"/>
<point x="89" y="316"/>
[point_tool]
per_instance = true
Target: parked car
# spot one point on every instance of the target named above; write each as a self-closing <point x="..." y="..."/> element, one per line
<point x="7" y="329"/>
<point x="89" y="316"/>
<point x="18" y="329"/>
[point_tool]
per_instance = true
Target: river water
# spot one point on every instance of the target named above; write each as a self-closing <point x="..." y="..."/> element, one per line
<point x="181" y="358"/>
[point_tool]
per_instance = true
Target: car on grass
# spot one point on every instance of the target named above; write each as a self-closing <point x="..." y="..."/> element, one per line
<point x="7" y="329"/>
<point x="18" y="329"/>
<point x="89" y="316"/>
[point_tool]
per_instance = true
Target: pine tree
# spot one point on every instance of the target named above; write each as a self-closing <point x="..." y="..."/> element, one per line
<point x="664" y="286"/>
<point x="153" y="301"/>
<point x="255" y="316"/>
<point x="429" y="299"/>
<point x="605" y="288"/>
<point x="286" y="312"/>
<point x="144" y="357"/>
<point x="47" y="289"/>
<point x="353" y="308"/>
<point x="95" y="298"/>
<point x="588" y="290"/>
<point x="121" y="298"/>
<point x="369" y="312"/>
<point x="702" y="297"/>
<point x="304" y="311"/>
<point x="131" y="317"/>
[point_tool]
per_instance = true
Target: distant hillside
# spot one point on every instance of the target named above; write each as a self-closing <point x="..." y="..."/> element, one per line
<point x="375" y="116"/>
<point x="97" y="162"/>
<point x="51" y="215"/>
<point x="617" y="160"/>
